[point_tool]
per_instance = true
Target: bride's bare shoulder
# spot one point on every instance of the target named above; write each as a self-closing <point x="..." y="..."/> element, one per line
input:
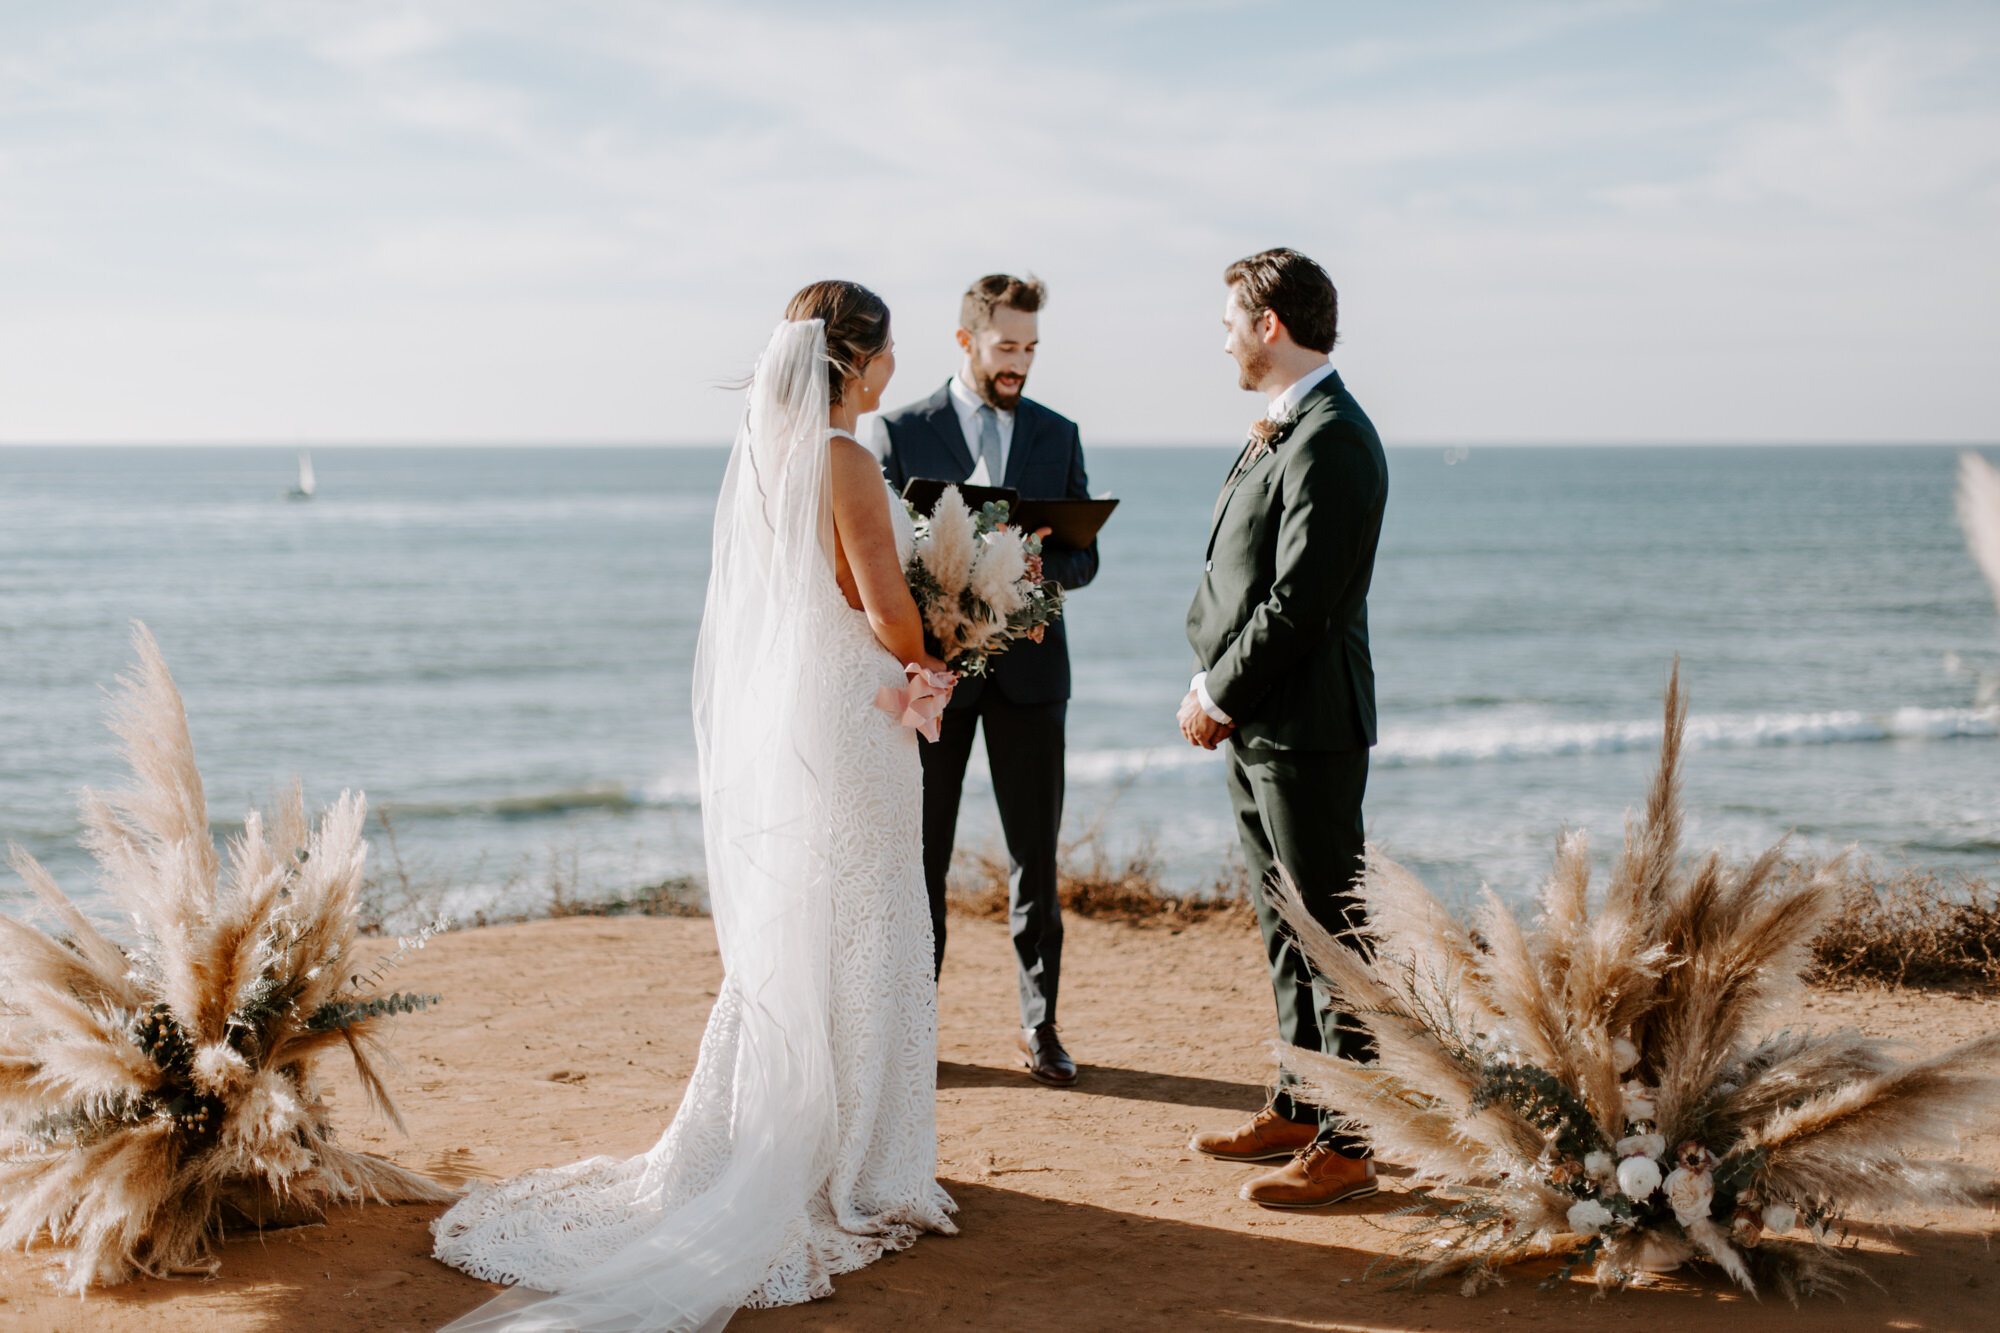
<point x="850" y="455"/>
<point x="854" y="468"/>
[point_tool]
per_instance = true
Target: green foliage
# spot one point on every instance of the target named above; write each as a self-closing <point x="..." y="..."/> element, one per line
<point x="81" y="1126"/>
<point x="1586" y="1254"/>
<point x="1471" y="1234"/>
<point x="337" y="1015"/>
<point x="1543" y="1100"/>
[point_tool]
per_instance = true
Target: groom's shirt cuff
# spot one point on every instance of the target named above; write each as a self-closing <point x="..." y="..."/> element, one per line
<point x="1200" y="687"/>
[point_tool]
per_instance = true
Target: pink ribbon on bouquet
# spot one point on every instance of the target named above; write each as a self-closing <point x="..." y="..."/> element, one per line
<point x="920" y="703"/>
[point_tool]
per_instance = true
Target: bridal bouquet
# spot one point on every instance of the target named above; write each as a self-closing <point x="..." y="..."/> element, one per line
<point x="149" y="1090"/>
<point x="1604" y="1085"/>
<point x="978" y="582"/>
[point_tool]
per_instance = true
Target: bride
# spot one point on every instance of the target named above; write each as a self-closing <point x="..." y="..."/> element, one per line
<point x="806" y="1144"/>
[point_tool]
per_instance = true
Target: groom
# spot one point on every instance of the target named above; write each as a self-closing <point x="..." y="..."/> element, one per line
<point x="1279" y="628"/>
<point x="979" y="429"/>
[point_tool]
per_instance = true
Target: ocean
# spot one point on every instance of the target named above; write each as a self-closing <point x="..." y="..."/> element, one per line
<point x="495" y="644"/>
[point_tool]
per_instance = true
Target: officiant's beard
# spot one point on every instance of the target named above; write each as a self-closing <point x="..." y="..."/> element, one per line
<point x="1002" y="390"/>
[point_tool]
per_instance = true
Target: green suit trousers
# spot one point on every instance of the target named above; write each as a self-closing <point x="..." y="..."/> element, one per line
<point x="1302" y="809"/>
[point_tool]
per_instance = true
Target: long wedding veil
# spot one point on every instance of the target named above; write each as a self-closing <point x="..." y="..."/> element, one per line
<point x="762" y="735"/>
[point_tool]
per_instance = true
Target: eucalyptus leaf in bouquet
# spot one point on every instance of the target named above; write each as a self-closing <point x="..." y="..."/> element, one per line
<point x="151" y="1091"/>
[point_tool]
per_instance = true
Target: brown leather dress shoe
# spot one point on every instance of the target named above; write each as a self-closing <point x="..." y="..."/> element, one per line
<point x="1267" y="1137"/>
<point x="1044" y="1057"/>
<point x="1316" y="1177"/>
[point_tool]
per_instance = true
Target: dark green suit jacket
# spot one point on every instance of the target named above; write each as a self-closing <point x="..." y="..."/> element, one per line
<point x="1280" y="621"/>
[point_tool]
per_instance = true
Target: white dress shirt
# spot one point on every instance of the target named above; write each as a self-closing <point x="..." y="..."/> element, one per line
<point x="875" y="435"/>
<point x="1284" y="406"/>
<point x="967" y="404"/>
<point x="1285" y="403"/>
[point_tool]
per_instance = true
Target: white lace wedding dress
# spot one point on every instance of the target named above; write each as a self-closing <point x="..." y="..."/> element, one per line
<point x="806" y="1143"/>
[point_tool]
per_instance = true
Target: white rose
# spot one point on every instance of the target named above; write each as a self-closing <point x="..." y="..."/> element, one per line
<point x="1638" y="1177"/>
<point x="1780" y="1217"/>
<point x="1689" y="1194"/>
<point x="1624" y="1054"/>
<point x="1600" y="1166"/>
<point x="1643" y="1145"/>
<point x="1588" y="1217"/>
<point x="1638" y="1101"/>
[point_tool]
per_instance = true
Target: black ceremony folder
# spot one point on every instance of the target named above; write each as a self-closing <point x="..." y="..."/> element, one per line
<point x="1070" y="522"/>
<point x="924" y="492"/>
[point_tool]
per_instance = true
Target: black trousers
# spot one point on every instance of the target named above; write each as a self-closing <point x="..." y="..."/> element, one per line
<point x="1302" y="809"/>
<point x="1024" y="750"/>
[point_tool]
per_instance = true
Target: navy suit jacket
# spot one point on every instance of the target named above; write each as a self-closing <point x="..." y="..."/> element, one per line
<point x="1044" y="462"/>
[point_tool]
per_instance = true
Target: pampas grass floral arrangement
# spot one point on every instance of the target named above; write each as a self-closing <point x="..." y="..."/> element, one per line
<point x="1607" y="1084"/>
<point x="978" y="582"/>
<point x="150" y="1090"/>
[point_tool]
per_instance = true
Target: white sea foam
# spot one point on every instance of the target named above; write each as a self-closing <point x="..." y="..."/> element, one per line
<point x="1501" y="741"/>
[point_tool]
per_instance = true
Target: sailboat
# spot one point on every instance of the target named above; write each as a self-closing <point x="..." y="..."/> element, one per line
<point x="304" y="490"/>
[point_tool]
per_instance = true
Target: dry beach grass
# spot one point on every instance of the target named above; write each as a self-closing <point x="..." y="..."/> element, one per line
<point x="1910" y="928"/>
<point x="1921" y="929"/>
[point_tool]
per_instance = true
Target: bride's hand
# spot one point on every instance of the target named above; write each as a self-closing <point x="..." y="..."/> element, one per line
<point x="929" y="663"/>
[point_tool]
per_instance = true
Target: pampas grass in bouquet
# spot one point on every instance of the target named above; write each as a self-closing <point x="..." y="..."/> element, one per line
<point x="978" y="582"/>
<point x="151" y="1090"/>
<point x="1608" y="1084"/>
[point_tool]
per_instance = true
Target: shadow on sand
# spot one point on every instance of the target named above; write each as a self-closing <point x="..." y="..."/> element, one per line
<point x="1028" y="1262"/>
<point x="1025" y="1262"/>
<point x="1103" y="1081"/>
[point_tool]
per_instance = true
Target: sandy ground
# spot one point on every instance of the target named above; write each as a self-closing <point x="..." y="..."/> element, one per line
<point x="1081" y="1209"/>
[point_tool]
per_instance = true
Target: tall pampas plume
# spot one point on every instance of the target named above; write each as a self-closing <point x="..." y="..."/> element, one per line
<point x="152" y="1091"/>
<point x="1605" y="1083"/>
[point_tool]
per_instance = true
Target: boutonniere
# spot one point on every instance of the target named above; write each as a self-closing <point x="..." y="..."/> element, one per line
<point x="1270" y="432"/>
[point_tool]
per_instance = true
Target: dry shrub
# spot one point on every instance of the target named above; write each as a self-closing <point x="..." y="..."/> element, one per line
<point x="1915" y="928"/>
<point x="681" y="895"/>
<point x="1092" y="882"/>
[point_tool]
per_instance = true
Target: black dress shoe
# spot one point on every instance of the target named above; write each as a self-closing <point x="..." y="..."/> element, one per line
<point x="1044" y="1057"/>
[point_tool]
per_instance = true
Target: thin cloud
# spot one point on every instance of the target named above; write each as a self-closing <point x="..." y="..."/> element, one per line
<point x="510" y="220"/>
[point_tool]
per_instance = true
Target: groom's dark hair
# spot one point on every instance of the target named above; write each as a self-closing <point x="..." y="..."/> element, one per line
<point x="1293" y="288"/>
<point x="1026" y="295"/>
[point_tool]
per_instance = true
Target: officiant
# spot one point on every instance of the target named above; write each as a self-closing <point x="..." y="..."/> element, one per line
<point x="979" y="429"/>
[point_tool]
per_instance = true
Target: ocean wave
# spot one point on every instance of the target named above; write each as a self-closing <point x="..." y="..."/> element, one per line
<point x="1450" y="744"/>
<point x="1490" y="742"/>
<point x="1507" y="741"/>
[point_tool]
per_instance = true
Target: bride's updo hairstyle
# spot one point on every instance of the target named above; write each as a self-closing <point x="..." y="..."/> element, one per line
<point x="857" y="326"/>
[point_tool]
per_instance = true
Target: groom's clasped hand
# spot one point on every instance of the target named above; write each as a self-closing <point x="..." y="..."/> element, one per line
<point x="1200" y="726"/>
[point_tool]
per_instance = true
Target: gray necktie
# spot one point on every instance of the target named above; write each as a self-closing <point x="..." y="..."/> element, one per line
<point x="989" y="444"/>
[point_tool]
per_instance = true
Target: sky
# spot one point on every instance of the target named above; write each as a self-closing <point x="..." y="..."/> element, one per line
<point x="261" y="221"/>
